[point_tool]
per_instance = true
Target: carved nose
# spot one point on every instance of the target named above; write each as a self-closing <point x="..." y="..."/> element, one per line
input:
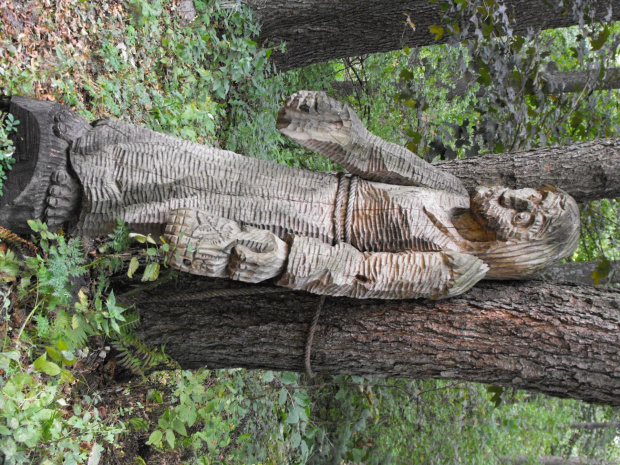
<point x="513" y="200"/>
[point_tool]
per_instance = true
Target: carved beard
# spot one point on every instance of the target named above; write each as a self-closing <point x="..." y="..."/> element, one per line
<point x="511" y="224"/>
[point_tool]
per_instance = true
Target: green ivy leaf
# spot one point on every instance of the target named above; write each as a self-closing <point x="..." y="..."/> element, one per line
<point x="496" y="394"/>
<point x="437" y="30"/>
<point x="155" y="438"/>
<point x="406" y="75"/>
<point x="179" y="427"/>
<point x="292" y="418"/>
<point x="170" y="438"/>
<point x="295" y="439"/>
<point x="49" y="368"/>
<point x="53" y="354"/>
<point x="602" y="271"/>
<point x="288" y="378"/>
<point x="133" y="266"/>
<point x="151" y="272"/>
<point x="601" y="39"/>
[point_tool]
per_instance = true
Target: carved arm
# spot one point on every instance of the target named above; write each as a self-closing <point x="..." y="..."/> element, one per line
<point x="342" y="270"/>
<point x="332" y="129"/>
<point x="218" y="247"/>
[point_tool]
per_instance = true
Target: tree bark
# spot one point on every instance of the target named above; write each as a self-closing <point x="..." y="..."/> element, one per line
<point x="586" y="170"/>
<point x="579" y="273"/>
<point x="592" y="425"/>
<point x="553" y="460"/>
<point x="559" y="82"/>
<point x="559" y="340"/>
<point x="321" y="30"/>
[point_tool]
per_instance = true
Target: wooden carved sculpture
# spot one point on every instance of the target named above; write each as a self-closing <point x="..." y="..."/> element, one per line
<point x="393" y="227"/>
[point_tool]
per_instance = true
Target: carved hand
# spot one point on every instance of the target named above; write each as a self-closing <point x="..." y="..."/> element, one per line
<point x="332" y="129"/>
<point x="208" y="245"/>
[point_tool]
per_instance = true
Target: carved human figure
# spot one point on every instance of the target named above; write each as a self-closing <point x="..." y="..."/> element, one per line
<point x="393" y="226"/>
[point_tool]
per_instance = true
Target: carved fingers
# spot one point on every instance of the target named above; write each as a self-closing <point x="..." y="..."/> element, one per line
<point x="258" y="255"/>
<point x="466" y="270"/>
<point x="332" y="129"/>
<point x="208" y="245"/>
<point x="200" y="243"/>
<point x="312" y="117"/>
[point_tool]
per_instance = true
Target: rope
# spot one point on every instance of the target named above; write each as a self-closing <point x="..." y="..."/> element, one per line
<point x="340" y="211"/>
<point x="348" y="222"/>
<point x="308" y="350"/>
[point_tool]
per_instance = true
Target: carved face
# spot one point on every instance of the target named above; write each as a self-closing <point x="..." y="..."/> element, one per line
<point x="521" y="215"/>
<point x="533" y="228"/>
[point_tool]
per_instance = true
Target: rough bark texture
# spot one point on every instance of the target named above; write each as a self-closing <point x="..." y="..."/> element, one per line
<point x="559" y="82"/>
<point x="321" y="30"/>
<point x="587" y="170"/>
<point x="560" y="340"/>
<point x="553" y="460"/>
<point x="579" y="273"/>
<point x="592" y="425"/>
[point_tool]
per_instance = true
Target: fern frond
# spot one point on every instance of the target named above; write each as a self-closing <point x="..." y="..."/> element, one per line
<point x="137" y="356"/>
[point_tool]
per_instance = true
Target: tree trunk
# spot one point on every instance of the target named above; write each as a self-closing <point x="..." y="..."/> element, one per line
<point x="586" y="170"/>
<point x="592" y="425"/>
<point x="553" y="460"/>
<point x="321" y="30"/>
<point x="559" y="340"/>
<point x="579" y="273"/>
<point x="559" y="82"/>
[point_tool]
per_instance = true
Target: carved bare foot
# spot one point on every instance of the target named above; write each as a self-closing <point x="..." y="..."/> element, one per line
<point x="69" y="126"/>
<point x="209" y="245"/>
<point x="63" y="198"/>
<point x="314" y="117"/>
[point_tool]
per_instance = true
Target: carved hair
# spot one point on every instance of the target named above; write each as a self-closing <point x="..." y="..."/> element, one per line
<point x="552" y="237"/>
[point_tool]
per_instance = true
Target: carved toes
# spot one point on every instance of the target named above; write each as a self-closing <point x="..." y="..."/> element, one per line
<point x="63" y="197"/>
<point x="69" y="126"/>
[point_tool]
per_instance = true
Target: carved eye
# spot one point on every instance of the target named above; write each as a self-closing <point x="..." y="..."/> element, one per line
<point x="536" y="197"/>
<point x="521" y="219"/>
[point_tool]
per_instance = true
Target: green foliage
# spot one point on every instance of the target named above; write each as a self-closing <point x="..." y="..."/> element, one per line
<point x="7" y="127"/>
<point x="38" y="361"/>
<point x="512" y="101"/>
<point x="378" y="421"/>
<point x="600" y="232"/>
